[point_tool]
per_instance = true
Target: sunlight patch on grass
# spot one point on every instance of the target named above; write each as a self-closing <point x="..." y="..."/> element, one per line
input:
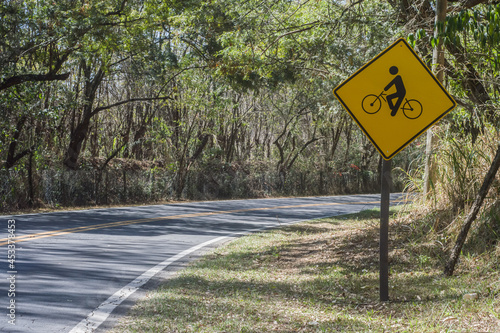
<point x="318" y="276"/>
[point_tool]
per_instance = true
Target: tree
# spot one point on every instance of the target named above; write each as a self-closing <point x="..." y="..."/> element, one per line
<point x="31" y="49"/>
<point x="470" y="36"/>
<point x="438" y="63"/>
<point x="184" y="82"/>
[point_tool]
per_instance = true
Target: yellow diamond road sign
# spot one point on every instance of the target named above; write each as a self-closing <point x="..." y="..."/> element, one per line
<point x="394" y="98"/>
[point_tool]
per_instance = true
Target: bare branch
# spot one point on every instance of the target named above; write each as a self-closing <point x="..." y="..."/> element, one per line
<point x="469" y="3"/>
<point x="50" y="76"/>
<point x="313" y="24"/>
<point x="118" y="11"/>
<point x="107" y="107"/>
<point x="18" y="79"/>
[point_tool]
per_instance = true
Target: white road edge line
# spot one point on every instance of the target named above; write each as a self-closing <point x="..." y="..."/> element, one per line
<point x="102" y="312"/>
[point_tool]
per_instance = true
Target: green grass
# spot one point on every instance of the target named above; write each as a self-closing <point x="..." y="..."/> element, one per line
<point x="321" y="276"/>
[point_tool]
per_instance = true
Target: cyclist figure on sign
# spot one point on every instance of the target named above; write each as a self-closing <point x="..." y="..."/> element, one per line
<point x="400" y="91"/>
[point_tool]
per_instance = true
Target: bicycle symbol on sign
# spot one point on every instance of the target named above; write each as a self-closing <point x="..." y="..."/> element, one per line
<point x="412" y="108"/>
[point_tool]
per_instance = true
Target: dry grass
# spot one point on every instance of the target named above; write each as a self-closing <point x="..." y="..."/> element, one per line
<point x="322" y="276"/>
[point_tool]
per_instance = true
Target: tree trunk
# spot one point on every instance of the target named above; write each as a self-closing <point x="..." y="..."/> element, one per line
<point x="478" y="202"/>
<point x="12" y="157"/>
<point x="438" y="59"/>
<point x="31" y="186"/>
<point x="75" y="144"/>
<point x="79" y="134"/>
<point x="185" y="164"/>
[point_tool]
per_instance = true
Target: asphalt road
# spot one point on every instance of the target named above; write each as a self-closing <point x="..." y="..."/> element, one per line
<point x="72" y="269"/>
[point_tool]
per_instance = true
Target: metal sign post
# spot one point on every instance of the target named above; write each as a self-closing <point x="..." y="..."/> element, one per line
<point x="384" y="229"/>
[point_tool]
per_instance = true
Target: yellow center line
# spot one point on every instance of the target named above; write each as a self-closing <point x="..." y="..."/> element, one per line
<point x="40" y="235"/>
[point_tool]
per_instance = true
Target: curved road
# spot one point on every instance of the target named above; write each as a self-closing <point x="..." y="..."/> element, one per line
<point x="72" y="269"/>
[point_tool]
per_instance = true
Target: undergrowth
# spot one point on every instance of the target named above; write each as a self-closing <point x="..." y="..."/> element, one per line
<point x="437" y="218"/>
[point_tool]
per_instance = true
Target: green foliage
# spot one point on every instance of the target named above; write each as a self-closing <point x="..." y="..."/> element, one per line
<point x="477" y="29"/>
<point x="461" y="163"/>
<point x="482" y="24"/>
<point x="238" y="81"/>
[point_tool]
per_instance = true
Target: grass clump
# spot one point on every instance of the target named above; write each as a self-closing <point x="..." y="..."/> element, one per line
<point x="320" y="276"/>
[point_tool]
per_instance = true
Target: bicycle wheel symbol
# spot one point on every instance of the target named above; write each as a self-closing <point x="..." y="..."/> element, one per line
<point x="371" y="104"/>
<point x="412" y="109"/>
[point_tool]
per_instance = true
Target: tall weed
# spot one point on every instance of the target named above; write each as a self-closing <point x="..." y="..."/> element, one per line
<point x="460" y="167"/>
